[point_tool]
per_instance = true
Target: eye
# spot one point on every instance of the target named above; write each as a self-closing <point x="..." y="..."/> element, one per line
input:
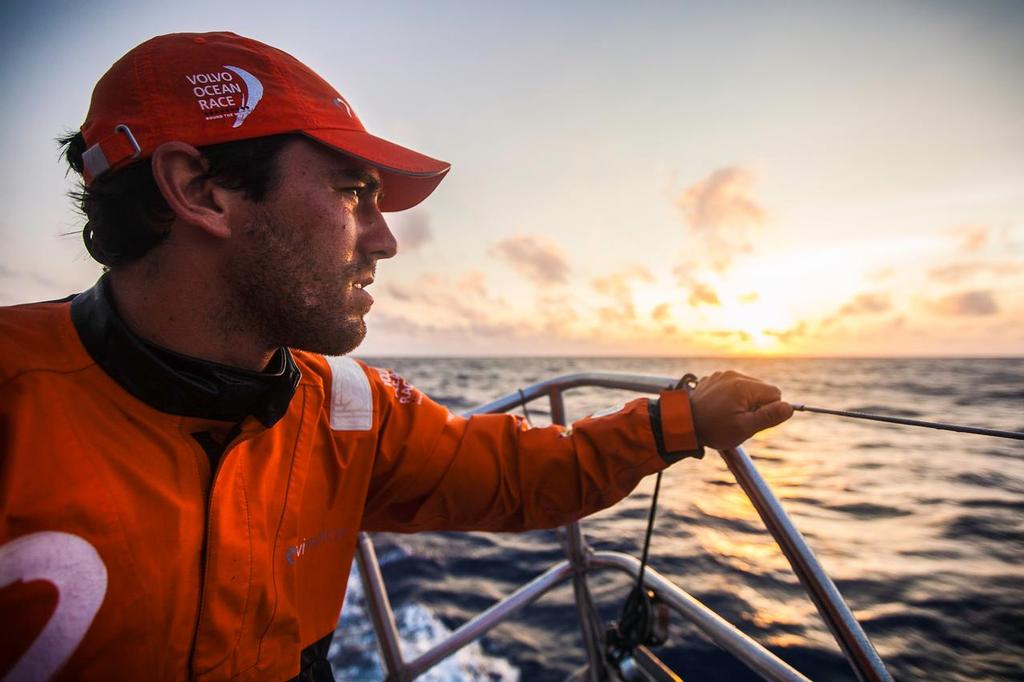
<point x="355" y="191"/>
<point x="369" y="192"/>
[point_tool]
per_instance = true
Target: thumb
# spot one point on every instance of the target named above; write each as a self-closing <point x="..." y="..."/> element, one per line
<point x="769" y="415"/>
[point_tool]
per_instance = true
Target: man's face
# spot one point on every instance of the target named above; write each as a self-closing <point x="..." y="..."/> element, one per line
<point x="306" y="251"/>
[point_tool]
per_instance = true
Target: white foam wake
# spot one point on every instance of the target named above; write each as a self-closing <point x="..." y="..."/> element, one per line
<point x="354" y="655"/>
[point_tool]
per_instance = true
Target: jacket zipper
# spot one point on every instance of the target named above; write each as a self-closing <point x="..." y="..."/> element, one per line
<point x="205" y="554"/>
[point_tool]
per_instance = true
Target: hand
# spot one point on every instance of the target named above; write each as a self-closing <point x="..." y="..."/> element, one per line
<point x="729" y="407"/>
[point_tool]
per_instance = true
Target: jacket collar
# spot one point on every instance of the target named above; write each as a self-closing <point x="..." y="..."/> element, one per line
<point x="175" y="383"/>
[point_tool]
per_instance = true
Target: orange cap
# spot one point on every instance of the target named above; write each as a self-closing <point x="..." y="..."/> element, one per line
<point x="208" y="88"/>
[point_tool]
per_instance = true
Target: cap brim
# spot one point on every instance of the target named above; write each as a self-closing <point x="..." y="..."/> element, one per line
<point x="408" y="177"/>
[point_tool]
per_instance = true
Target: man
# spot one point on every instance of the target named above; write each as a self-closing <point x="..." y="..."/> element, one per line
<point x="188" y="454"/>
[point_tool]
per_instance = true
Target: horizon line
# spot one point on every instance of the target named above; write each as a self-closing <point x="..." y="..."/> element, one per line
<point x="751" y="356"/>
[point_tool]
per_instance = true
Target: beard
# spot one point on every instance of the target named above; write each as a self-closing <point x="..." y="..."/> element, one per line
<point x="287" y="292"/>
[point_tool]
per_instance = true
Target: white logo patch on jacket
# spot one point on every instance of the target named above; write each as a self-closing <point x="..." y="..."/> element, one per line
<point x="351" y="397"/>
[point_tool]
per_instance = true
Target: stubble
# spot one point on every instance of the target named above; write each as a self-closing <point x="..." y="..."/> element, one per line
<point x="286" y="293"/>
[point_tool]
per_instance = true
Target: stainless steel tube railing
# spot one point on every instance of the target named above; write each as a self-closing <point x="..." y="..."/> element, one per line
<point x="638" y="383"/>
<point x="859" y="650"/>
<point x="378" y="605"/>
<point x="856" y="646"/>
<point x="485" y="620"/>
<point x="719" y="630"/>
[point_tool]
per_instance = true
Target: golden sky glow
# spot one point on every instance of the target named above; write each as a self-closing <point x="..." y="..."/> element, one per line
<point x="687" y="179"/>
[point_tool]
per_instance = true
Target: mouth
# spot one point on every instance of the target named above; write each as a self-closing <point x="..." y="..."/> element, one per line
<point x="363" y="296"/>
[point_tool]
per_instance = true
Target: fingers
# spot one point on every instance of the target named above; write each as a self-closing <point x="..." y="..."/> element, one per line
<point x="751" y="391"/>
<point x="729" y="407"/>
<point x="769" y="415"/>
<point x="728" y="375"/>
<point x="760" y="393"/>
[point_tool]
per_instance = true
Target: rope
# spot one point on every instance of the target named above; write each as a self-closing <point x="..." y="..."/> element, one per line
<point x="1015" y="435"/>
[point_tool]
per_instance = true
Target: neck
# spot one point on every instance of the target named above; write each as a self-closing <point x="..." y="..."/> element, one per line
<point x="183" y="312"/>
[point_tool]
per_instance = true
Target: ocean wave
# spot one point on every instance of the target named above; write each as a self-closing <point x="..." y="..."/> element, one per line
<point x="354" y="656"/>
<point x="867" y="510"/>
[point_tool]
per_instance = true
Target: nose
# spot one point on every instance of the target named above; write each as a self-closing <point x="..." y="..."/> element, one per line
<point x="376" y="239"/>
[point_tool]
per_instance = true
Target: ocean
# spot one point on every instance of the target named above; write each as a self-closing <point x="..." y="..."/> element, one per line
<point x="921" y="530"/>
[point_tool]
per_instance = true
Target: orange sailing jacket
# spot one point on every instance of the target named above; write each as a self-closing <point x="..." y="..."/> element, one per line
<point x="135" y="545"/>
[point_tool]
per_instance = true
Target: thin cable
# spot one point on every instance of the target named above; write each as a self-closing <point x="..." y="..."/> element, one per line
<point x="647" y="536"/>
<point x="1015" y="435"/>
<point x="637" y="619"/>
<point x="522" y="403"/>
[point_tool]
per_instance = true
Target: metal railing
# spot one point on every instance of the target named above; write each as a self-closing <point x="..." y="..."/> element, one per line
<point x="581" y="560"/>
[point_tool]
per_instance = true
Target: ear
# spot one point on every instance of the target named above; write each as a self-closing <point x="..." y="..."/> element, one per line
<point x="179" y="171"/>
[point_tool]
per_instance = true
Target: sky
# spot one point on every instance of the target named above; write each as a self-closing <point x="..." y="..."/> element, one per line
<point x="672" y="179"/>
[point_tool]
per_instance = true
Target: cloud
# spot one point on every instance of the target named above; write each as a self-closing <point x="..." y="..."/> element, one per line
<point x="612" y="314"/>
<point x="791" y="334"/>
<point x="555" y="314"/>
<point x="424" y="290"/>
<point x="398" y="324"/>
<point x="699" y="292"/>
<point x="465" y="301"/>
<point x="959" y="272"/>
<point x="725" y="335"/>
<point x="750" y="297"/>
<point x="722" y="199"/>
<point x="721" y="211"/>
<point x="473" y="282"/>
<point x="885" y="272"/>
<point x="413" y="230"/>
<point x="702" y="294"/>
<point x="619" y="287"/>
<point x="410" y="328"/>
<point x="973" y="238"/>
<point x="536" y="257"/>
<point x="867" y="304"/>
<point x="660" y="312"/>
<point x="441" y="305"/>
<point x="619" y="284"/>
<point x="966" y="303"/>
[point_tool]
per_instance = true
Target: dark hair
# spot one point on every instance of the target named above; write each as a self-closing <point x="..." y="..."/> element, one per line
<point x="126" y="215"/>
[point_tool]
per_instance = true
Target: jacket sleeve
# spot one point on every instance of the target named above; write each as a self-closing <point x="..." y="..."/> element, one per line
<point x="438" y="471"/>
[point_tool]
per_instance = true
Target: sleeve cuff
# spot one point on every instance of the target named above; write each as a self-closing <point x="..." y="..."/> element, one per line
<point x="672" y="424"/>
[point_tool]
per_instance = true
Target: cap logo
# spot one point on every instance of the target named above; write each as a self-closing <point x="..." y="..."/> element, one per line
<point x="340" y="102"/>
<point x="221" y="95"/>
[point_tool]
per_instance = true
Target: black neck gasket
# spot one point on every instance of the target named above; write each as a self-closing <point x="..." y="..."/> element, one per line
<point x="175" y="383"/>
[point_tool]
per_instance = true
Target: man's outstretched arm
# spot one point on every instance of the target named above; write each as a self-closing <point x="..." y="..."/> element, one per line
<point x="437" y="471"/>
